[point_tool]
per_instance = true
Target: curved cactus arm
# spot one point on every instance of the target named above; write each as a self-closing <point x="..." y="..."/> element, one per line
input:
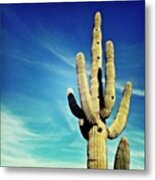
<point x="109" y="95"/>
<point x="120" y="120"/>
<point x="74" y="107"/>
<point x="122" y="157"/>
<point x="96" y="53"/>
<point x="78" y="112"/>
<point x="85" y="98"/>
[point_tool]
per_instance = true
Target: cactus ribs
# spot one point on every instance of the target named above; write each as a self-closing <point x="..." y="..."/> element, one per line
<point x="96" y="105"/>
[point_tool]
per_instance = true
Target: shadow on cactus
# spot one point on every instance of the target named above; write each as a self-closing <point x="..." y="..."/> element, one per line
<point x="96" y="105"/>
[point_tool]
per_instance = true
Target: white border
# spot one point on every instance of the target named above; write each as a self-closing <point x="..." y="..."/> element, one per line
<point x="69" y="174"/>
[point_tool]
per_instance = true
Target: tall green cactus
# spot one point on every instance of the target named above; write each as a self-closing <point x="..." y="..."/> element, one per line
<point x="96" y="107"/>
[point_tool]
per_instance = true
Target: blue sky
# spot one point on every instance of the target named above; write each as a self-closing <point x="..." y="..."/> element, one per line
<point x="39" y="44"/>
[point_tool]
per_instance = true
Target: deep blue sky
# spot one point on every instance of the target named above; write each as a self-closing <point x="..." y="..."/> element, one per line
<point x="39" y="44"/>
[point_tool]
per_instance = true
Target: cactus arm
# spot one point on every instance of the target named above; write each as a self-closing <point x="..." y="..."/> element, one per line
<point x="84" y="89"/>
<point x="120" y="120"/>
<point x="96" y="53"/>
<point x="74" y="107"/>
<point x="78" y="112"/>
<point x="122" y="157"/>
<point x="109" y="96"/>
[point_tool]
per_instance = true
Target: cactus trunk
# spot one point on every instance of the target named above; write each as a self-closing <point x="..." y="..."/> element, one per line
<point x="96" y="149"/>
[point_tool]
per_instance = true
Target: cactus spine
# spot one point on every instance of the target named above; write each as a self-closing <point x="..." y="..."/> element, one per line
<point x="96" y="107"/>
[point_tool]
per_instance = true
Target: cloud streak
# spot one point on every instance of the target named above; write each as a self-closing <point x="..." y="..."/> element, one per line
<point x="136" y="92"/>
<point x="53" y="68"/>
<point x="56" y="47"/>
<point x="16" y="150"/>
<point x="18" y="143"/>
<point x="120" y="87"/>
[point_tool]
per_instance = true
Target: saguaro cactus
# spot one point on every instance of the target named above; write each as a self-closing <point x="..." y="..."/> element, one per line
<point x="96" y="107"/>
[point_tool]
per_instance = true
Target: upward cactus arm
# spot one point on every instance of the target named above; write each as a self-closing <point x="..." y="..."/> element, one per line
<point x="78" y="112"/>
<point x="120" y="120"/>
<point x="74" y="107"/>
<point x="96" y="62"/>
<point x="122" y="157"/>
<point x="97" y="43"/>
<point x="109" y="96"/>
<point x="84" y="89"/>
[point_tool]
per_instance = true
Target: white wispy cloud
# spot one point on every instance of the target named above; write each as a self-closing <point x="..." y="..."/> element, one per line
<point x="12" y="134"/>
<point x="58" y="54"/>
<point x="136" y="92"/>
<point x="50" y="42"/>
<point x="16" y="151"/>
<point x="53" y="68"/>
<point x="49" y="66"/>
<point x="120" y="86"/>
